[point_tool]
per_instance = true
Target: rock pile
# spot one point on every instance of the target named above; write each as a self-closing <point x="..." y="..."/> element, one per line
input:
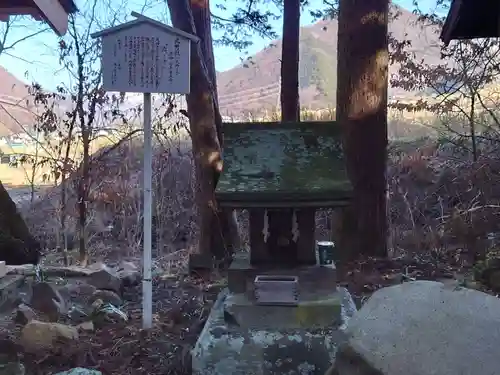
<point x="59" y="310"/>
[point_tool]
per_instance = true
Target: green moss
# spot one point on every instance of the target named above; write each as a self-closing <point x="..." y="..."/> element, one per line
<point x="283" y="161"/>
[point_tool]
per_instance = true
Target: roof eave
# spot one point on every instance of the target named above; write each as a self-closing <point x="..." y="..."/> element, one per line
<point x="69" y="6"/>
<point x="451" y="22"/>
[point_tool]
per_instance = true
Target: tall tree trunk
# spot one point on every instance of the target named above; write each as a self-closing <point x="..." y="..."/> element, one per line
<point x="280" y="241"/>
<point x="17" y="246"/>
<point x="362" y="111"/>
<point x="290" y="107"/>
<point x="227" y="222"/>
<point x="202" y="119"/>
<point x="83" y="197"/>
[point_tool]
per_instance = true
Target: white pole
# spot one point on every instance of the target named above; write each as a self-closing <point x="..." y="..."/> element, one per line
<point x="147" y="287"/>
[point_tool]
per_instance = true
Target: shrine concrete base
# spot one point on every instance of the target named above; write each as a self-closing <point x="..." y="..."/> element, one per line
<point x="241" y="337"/>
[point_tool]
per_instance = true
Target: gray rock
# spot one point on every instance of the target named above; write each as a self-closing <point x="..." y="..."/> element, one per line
<point x="78" y="314"/>
<point x="128" y="273"/>
<point x="86" y="326"/>
<point x="106" y="280"/>
<point x="47" y="300"/>
<point x="37" y="335"/>
<point x="423" y="328"/>
<point x="24" y="314"/>
<point x="78" y="291"/>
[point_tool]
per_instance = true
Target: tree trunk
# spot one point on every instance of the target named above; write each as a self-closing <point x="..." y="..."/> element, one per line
<point x="17" y="246"/>
<point x="227" y="221"/>
<point x="362" y="111"/>
<point x="283" y="248"/>
<point x="83" y="193"/>
<point x="202" y="119"/>
<point x="290" y="106"/>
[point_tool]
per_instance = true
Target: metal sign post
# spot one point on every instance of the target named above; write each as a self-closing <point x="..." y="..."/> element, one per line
<point x="146" y="56"/>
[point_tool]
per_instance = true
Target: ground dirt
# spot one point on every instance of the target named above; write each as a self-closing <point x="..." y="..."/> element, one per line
<point x="181" y="306"/>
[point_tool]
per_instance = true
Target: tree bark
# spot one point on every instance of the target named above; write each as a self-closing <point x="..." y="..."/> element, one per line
<point x="17" y="246"/>
<point x="362" y="111"/>
<point x="201" y="102"/>
<point x="227" y="224"/>
<point x="289" y="97"/>
<point x="283" y="249"/>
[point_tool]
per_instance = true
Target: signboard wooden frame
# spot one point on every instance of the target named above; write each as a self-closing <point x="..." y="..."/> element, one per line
<point x="146" y="56"/>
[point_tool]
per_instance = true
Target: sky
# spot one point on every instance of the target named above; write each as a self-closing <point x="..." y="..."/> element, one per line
<point x="37" y="59"/>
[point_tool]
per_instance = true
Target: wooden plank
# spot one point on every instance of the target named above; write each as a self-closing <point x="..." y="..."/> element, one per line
<point x="306" y="246"/>
<point x="281" y="204"/>
<point x="258" y="247"/>
<point x="55" y="15"/>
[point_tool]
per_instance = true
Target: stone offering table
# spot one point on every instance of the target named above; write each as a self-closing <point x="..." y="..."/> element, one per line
<point x="281" y="173"/>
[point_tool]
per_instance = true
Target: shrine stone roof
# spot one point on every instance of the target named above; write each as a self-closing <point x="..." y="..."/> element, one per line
<point x="296" y="164"/>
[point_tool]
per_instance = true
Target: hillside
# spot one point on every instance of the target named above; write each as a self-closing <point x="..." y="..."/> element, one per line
<point x="14" y="113"/>
<point x="255" y="86"/>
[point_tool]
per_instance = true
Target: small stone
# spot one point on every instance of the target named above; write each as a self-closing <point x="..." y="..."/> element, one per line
<point x="37" y="335"/>
<point x="86" y="326"/>
<point x="47" y="300"/>
<point x="98" y="303"/>
<point x="24" y="314"/>
<point x="105" y="280"/>
<point x="129" y="274"/>
<point x="80" y="291"/>
<point x="107" y="296"/>
<point x="77" y="315"/>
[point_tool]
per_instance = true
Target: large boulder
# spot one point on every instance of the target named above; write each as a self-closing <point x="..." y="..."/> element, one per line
<point x="423" y="328"/>
<point x="37" y="335"/>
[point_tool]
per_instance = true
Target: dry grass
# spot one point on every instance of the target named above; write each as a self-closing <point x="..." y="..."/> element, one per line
<point x="21" y="175"/>
<point x="438" y="200"/>
<point x="443" y="213"/>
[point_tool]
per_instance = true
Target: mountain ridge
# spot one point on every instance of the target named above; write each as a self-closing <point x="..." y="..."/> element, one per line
<point x="254" y="86"/>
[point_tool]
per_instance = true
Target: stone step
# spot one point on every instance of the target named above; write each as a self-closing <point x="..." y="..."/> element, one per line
<point x="241" y="338"/>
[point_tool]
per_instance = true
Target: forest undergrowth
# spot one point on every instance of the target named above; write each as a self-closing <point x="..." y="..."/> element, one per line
<point x="444" y="226"/>
<point x="440" y="203"/>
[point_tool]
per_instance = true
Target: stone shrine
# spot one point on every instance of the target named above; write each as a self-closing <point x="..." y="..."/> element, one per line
<point x="282" y="312"/>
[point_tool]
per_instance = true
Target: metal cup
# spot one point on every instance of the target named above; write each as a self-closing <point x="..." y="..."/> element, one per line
<point x="326" y="252"/>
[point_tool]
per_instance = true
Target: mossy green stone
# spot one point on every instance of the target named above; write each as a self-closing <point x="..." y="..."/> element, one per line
<point x="322" y="312"/>
<point x="283" y="162"/>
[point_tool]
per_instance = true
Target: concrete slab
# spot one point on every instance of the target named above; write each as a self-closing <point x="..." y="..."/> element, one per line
<point x="242" y="338"/>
